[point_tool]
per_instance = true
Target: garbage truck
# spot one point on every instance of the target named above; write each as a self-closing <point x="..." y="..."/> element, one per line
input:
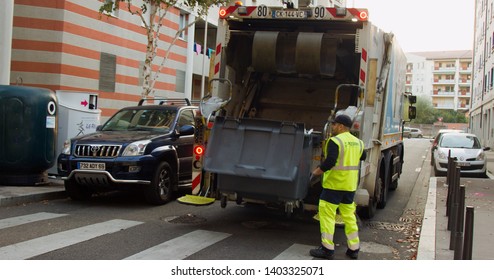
<point x="280" y="75"/>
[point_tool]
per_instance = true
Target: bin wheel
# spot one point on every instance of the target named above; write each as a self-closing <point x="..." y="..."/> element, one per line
<point x="223" y="201"/>
<point x="289" y="207"/>
<point x="239" y="200"/>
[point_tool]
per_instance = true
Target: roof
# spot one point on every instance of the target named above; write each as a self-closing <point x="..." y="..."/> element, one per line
<point x="466" y="54"/>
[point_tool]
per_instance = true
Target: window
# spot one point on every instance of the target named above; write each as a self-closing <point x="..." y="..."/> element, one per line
<point x="141" y="73"/>
<point x="186" y="118"/>
<point x="182" y="23"/>
<point x="107" y="70"/>
<point x="180" y="81"/>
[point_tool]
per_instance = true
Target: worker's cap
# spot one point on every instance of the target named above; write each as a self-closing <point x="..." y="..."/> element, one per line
<point x="344" y="120"/>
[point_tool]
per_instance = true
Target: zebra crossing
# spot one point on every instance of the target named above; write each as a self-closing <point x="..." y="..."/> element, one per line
<point x="177" y="248"/>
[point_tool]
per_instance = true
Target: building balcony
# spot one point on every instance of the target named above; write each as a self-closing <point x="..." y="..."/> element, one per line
<point x="444" y="69"/>
<point x="199" y="63"/>
<point x="443" y="106"/>
<point x="444" y="82"/>
<point x="443" y="93"/>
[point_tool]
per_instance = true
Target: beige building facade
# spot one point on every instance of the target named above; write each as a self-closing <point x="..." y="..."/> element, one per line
<point x="482" y="107"/>
<point x="443" y="77"/>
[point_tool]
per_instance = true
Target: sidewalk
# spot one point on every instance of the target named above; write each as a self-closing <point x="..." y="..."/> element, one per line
<point x="14" y="195"/>
<point x="434" y="241"/>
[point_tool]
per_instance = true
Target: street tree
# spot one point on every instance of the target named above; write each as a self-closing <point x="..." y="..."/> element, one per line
<point x="156" y="11"/>
<point x="425" y="111"/>
<point x="426" y="114"/>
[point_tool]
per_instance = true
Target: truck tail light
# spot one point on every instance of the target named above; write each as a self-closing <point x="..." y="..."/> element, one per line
<point x="223" y="12"/>
<point x="199" y="150"/>
<point x="363" y="15"/>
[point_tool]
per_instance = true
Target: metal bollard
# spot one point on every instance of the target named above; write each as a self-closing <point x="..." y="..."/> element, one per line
<point x="452" y="193"/>
<point x="468" y="238"/>
<point x="455" y="209"/>
<point x="459" y="224"/>
<point x="448" y="181"/>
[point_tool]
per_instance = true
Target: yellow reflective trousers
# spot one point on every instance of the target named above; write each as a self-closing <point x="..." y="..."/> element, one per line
<point x="327" y="216"/>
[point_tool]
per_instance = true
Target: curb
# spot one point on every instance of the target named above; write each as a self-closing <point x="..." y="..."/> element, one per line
<point x="34" y="197"/>
<point x="427" y="240"/>
<point x="15" y="195"/>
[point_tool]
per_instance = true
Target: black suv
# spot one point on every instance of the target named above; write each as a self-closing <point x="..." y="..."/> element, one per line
<point x="148" y="147"/>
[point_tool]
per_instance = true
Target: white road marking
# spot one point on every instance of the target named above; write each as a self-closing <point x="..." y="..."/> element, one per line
<point x="296" y="252"/>
<point x="21" y="220"/>
<point x="418" y="169"/>
<point x="45" y="244"/>
<point x="181" y="247"/>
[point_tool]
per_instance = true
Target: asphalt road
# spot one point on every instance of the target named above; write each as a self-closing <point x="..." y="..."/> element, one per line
<point x="119" y="226"/>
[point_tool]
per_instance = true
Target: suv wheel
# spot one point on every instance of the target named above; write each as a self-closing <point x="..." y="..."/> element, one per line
<point x="160" y="191"/>
<point x="76" y="192"/>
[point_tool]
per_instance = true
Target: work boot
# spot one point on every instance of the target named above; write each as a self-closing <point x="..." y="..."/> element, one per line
<point x="352" y="254"/>
<point x="322" y="253"/>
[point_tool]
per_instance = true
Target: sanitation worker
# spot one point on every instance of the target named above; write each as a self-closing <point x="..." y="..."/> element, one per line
<point x="340" y="171"/>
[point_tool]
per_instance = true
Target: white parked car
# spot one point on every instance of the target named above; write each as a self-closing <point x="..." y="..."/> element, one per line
<point x="467" y="150"/>
<point x="412" y="132"/>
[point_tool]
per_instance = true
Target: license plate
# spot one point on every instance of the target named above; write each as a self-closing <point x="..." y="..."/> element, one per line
<point x="463" y="163"/>
<point x="289" y="14"/>
<point x="92" y="165"/>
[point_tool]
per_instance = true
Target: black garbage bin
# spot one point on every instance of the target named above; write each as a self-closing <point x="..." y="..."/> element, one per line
<point x="28" y="134"/>
<point x="260" y="159"/>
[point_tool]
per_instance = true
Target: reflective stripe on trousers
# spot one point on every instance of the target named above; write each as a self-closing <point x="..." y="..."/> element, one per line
<point x="327" y="216"/>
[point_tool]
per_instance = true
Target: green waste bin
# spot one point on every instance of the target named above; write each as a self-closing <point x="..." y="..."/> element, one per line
<point x="28" y="134"/>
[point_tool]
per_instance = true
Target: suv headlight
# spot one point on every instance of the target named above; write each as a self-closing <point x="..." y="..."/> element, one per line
<point x="136" y="148"/>
<point x="66" y="147"/>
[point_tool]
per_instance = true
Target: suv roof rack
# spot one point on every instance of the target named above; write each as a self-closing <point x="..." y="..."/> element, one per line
<point x="167" y="101"/>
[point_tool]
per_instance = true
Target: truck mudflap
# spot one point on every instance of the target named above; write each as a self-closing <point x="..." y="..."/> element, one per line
<point x="260" y="159"/>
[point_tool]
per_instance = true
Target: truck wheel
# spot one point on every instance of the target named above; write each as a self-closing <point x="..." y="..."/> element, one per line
<point x="383" y="200"/>
<point x="77" y="192"/>
<point x="369" y="211"/>
<point x="160" y="191"/>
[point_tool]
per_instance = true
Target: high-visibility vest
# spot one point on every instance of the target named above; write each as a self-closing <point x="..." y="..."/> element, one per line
<point x="344" y="175"/>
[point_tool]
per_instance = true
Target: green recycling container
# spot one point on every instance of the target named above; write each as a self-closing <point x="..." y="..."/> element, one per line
<point x="28" y="134"/>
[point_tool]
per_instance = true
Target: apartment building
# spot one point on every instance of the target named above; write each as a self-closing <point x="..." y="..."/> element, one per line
<point x="482" y="107"/>
<point x="443" y="77"/>
<point x="67" y="45"/>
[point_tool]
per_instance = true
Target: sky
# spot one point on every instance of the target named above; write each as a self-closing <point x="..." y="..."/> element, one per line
<point x="424" y="25"/>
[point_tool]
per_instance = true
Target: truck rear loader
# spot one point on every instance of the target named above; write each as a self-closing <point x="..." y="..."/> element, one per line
<point x="280" y="75"/>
